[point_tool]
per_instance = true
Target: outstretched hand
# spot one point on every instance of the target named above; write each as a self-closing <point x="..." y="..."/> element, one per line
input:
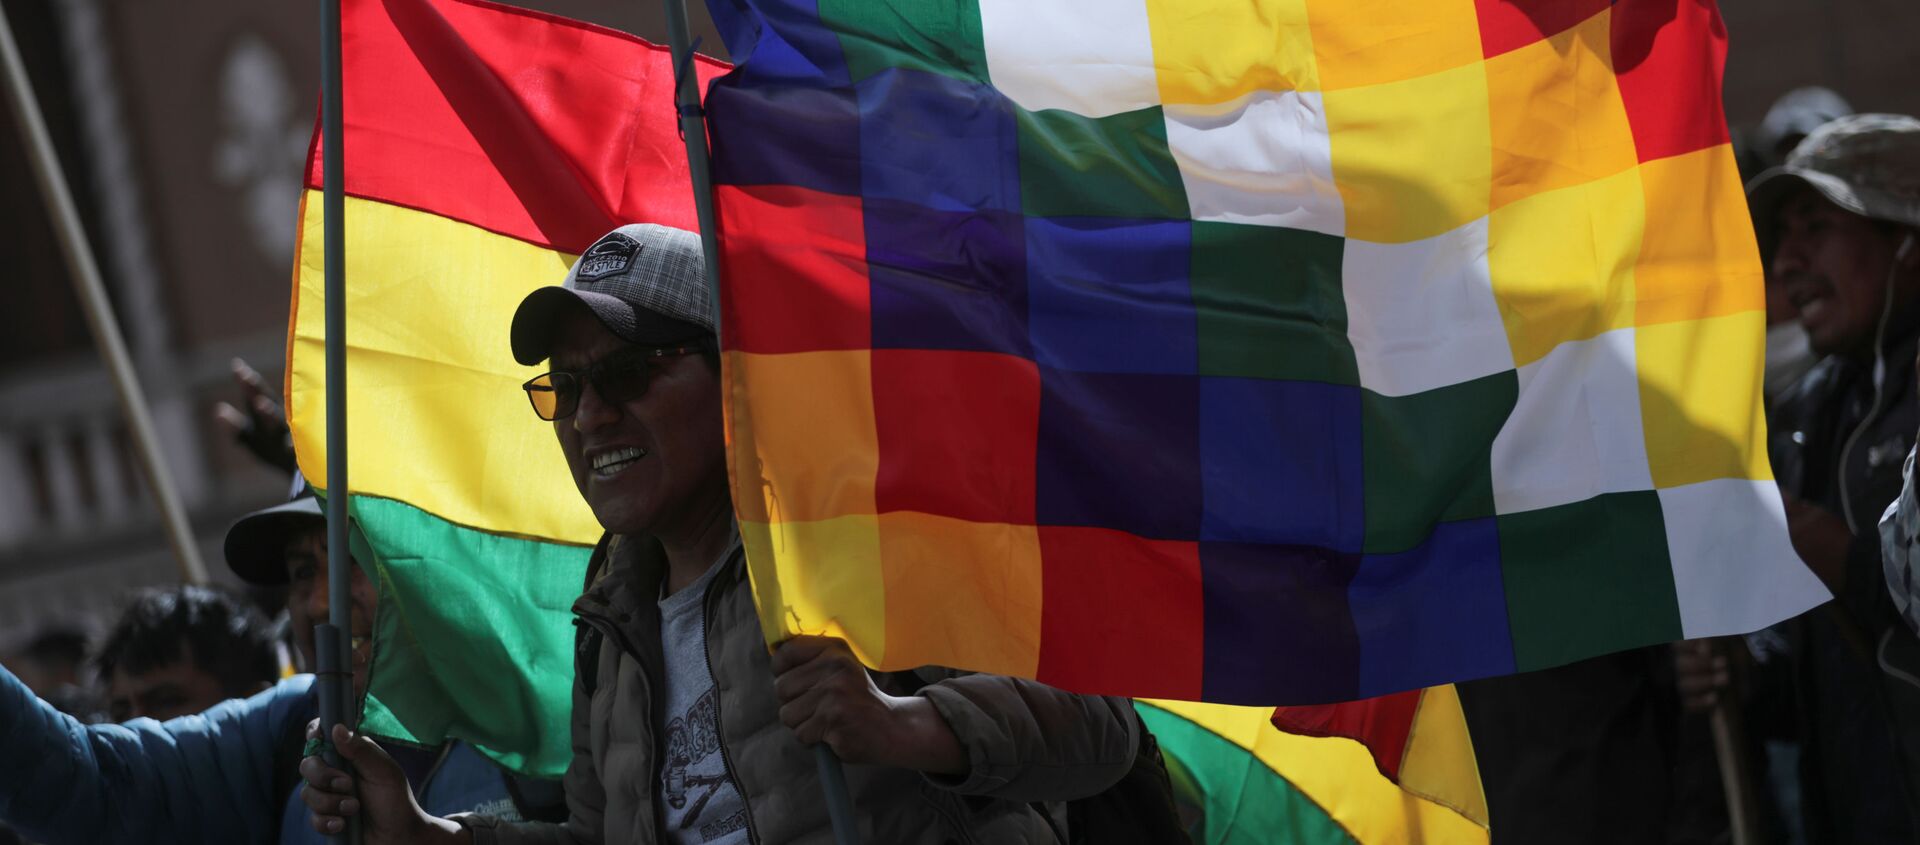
<point x="391" y="815"/>
<point x="259" y="423"/>
<point x="826" y="696"/>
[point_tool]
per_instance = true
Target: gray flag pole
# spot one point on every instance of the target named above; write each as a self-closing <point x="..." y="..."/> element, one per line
<point x="332" y="646"/>
<point x="96" y="306"/>
<point x="693" y="128"/>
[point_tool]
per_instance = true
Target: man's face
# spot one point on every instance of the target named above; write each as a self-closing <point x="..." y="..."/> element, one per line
<point x="672" y="455"/>
<point x="1833" y="266"/>
<point x="174" y="689"/>
<point x="307" y="598"/>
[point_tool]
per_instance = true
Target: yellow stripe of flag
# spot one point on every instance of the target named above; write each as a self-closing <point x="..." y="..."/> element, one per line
<point x="439" y="420"/>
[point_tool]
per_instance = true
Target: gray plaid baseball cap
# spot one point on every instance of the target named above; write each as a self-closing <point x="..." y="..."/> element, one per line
<point x="646" y="283"/>
<point x="1868" y="164"/>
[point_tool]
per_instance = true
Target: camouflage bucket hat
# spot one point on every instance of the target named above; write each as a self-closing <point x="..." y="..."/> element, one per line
<point x="1868" y="164"/>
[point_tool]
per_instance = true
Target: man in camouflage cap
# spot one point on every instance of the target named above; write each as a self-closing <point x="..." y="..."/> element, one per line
<point x="1838" y="225"/>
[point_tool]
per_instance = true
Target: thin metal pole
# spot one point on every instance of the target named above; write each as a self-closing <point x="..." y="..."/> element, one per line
<point x="97" y="307"/>
<point x="693" y="128"/>
<point x="332" y="644"/>
<point x="833" y="782"/>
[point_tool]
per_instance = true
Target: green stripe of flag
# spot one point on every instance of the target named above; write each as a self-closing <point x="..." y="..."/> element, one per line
<point x="473" y="638"/>
<point x="937" y="36"/>
<point x="1244" y="802"/>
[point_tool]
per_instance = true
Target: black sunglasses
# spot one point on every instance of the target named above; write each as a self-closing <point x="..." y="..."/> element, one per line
<point x="620" y="377"/>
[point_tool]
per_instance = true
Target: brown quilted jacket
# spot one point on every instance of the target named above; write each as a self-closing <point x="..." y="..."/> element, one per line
<point x="1028" y="742"/>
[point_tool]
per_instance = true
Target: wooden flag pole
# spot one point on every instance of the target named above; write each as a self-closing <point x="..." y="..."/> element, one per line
<point x="98" y="309"/>
<point x="1730" y="751"/>
<point x="693" y="128"/>
<point x="332" y="638"/>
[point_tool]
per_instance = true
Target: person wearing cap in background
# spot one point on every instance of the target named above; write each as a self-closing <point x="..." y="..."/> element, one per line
<point x="1791" y="119"/>
<point x="1839" y="230"/>
<point x="678" y="706"/>
<point x="230" y="773"/>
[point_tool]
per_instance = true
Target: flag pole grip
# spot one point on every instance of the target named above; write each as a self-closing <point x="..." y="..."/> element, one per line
<point x="334" y="688"/>
<point x="329" y="656"/>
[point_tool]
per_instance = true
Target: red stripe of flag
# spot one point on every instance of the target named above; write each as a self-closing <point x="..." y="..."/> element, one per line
<point x="1669" y="57"/>
<point x="503" y="118"/>
<point x="1382" y="724"/>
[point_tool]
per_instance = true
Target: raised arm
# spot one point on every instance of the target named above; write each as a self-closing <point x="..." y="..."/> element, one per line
<point x="200" y="778"/>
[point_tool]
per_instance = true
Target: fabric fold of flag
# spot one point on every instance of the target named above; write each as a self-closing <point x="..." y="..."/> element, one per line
<point x="1256" y="783"/>
<point x="484" y="146"/>
<point x="1276" y="352"/>
<point x="1418" y="739"/>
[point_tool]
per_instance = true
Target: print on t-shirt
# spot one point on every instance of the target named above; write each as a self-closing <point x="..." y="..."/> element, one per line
<point x="699" y="803"/>
<point x="694" y="772"/>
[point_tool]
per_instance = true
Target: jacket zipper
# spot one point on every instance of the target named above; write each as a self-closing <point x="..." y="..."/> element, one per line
<point x="719" y="712"/>
<point x="611" y="631"/>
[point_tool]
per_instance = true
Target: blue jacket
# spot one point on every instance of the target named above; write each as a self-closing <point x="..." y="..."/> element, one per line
<point x="205" y="778"/>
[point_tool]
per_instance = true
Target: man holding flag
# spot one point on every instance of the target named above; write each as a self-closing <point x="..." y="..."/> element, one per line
<point x="675" y="663"/>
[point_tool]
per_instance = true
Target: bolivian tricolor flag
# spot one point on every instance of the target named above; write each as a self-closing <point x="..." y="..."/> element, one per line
<point x="485" y="146"/>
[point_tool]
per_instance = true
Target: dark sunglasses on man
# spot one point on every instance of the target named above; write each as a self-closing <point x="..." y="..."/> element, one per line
<point x="620" y="377"/>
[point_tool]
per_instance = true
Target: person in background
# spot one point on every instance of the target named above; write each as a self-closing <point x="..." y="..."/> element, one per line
<point x="1839" y="229"/>
<point x="181" y="650"/>
<point x="1791" y="119"/>
<point x="1790" y="354"/>
<point x="1794" y="116"/>
<point x="53" y="664"/>
<point x="230" y="772"/>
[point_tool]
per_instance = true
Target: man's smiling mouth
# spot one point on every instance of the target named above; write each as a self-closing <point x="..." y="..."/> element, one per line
<point x="610" y="463"/>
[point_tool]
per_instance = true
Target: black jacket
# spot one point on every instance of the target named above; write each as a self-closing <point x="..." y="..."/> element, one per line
<point x="1832" y="447"/>
<point x="1837" y="444"/>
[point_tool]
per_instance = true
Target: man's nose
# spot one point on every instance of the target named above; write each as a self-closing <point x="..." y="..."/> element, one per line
<point x="1789" y="260"/>
<point x="592" y="412"/>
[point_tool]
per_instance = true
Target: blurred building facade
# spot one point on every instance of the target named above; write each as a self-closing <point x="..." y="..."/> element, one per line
<point x="183" y="126"/>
